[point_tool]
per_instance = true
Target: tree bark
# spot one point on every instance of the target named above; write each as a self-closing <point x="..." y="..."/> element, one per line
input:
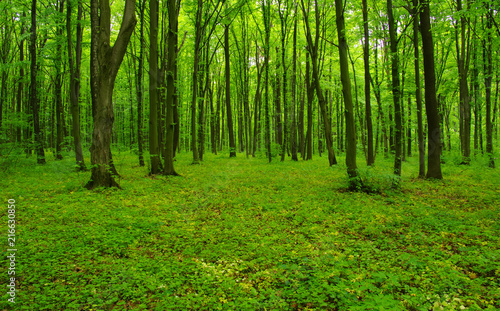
<point x="154" y="148"/>
<point x="74" y="85"/>
<point x="40" y="153"/>
<point x="232" y="143"/>
<point x="431" y="104"/>
<point x="171" y="77"/>
<point x="488" y="68"/>
<point x="352" y="173"/>
<point x="368" y="110"/>
<point x="109" y="59"/>
<point x="395" y="88"/>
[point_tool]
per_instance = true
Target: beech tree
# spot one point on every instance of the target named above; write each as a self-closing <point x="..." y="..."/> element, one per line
<point x="106" y="59"/>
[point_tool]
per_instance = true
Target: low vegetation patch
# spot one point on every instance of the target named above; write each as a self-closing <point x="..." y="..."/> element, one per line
<point x="242" y="234"/>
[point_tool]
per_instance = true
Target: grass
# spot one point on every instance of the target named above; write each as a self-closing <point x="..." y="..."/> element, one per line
<point x="241" y="234"/>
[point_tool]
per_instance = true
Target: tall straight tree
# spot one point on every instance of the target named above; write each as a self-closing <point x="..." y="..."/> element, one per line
<point x="418" y="93"/>
<point x="293" y="130"/>
<point x="396" y="91"/>
<point x="154" y="148"/>
<point x="266" y="14"/>
<point x="463" y="58"/>
<point x="171" y="77"/>
<point x="313" y="47"/>
<point x="232" y="143"/>
<point x="40" y="153"/>
<point x="488" y="69"/>
<point x="108" y="60"/>
<point x="370" y="160"/>
<point x="346" y="91"/>
<point x="74" y="83"/>
<point x="58" y="82"/>
<point x="197" y="51"/>
<point x="139" y="82"/>
<point x="431" y="103"/>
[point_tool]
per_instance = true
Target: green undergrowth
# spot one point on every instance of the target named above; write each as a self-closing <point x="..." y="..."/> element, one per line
<point x="242" y="234"/>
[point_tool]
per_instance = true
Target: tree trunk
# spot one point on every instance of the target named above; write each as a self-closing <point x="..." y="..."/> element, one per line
<point x="171" y="77"/>
<point x="488" y="68"/>
<point x="463" y="65"/>
<point x="74" y="86"/>
<point x="154" y="148"/>
<point x="310" y="98"/>
<point x="40" y="153"/>
<point x="431" y="104"/>
<point x="139" y="80"/>
<point x="232" y="143"/>
<point x="108" y="62"/>
<point x="418" y="93"/>
<point x="266" y="10"/>
<point x="313" y="49"/>
<point x="354" y="181"/>
<point x="395" y="88"/>
<point x="293" y="129"/>
<point x="370" y="160"/>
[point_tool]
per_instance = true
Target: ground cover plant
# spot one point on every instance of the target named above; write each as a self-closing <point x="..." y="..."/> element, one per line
<point x="242" y="234"/>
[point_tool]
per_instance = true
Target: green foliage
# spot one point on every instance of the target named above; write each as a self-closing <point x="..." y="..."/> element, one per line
<point x="242" y="234"/>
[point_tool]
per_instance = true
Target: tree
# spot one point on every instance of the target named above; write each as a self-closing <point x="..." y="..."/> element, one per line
<point x="463" y="57"/>
<point x="370" y="160"/>
<point x="313" y="47"/>
<point x="40" y="153"/>
<point x="171" y="77"/>
<point x="431" y="104"/>
<point x="418" y="92"/>
<point x="139" y="82"/>
<point x="107" y="59"/>
<point x="396" y="91"/>
<point x="354" y="181"/>
<point x="154" y="148"/>
<point x="488" y="69"/>
<point x="232" y="143"/>
<point x="74" y="84"/>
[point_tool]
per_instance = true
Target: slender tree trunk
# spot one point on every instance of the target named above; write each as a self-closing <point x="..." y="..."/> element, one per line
<point x="431" y="104"/>
<point x="368" y="110"/>
<point x="74" y="87"/>
<point x="293" y="130"/>
<point x="488" y="68"/>
<point x="40" y="153"/>
<point x="194" y="100"/>
<point x="232" y="143"/>
<point x="266" y="10"/>
<point x="463" y="65"/>
<point x="139" y="83"/>
<point x="310" y="98"/>
<point x="20" y="85"/>
<point x="418" y="93"/>
<point x="354" y="181"/>
<point x="154" y="148"/>
<point x="395" y="88"/>
<point x="171" y="77"/>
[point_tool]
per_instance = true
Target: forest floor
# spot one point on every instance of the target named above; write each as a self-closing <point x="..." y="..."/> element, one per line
<point x="242" y="234"/>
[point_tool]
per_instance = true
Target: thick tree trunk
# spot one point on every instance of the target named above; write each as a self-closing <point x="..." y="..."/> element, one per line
<point x="40" y="153"/>
<point x="431" y="104"/>
<point x="109" y="59"/>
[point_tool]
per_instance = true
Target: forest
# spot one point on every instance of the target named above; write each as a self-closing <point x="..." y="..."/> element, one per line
<point x="250" y="155"/>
